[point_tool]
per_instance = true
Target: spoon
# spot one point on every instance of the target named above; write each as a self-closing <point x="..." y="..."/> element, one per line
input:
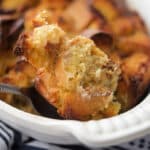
<point x="34" y="99"/>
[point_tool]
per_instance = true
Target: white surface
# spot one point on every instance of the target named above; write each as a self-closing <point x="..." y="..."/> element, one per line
<point x="115" y="130"/>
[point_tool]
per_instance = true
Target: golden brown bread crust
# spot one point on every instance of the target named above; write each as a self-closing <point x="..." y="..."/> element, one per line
<point x="73" y="18"/>
<point x="17" y="4"/>
<point x="23" y="72"/>
<point x="135" y="79"/>
<point x="7" y="61"/>
<point x="108" y="8"/>
<point x="52" y="11"/>
<point x="138" y="42"/>
<point x="127" y="26"/>
<point x="72" y="73"/>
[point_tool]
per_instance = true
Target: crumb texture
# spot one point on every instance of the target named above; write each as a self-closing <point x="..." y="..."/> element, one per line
<point x="72" y="73"/>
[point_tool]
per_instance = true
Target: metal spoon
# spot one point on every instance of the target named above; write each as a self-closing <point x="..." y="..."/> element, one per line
<point x="34" y="99"/>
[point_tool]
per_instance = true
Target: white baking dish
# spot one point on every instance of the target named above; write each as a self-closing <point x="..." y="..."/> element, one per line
<point x="122" y="128"/>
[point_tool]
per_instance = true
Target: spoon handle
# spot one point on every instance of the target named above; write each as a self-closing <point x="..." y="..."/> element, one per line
<point x="39" y="104"/>
<point x="10" y="89"/>
<point x="6" y="88"/>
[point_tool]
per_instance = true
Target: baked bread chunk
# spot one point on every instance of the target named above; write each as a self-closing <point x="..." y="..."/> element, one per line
<point x="134" y="81"/>
<point x="73" y="74"/>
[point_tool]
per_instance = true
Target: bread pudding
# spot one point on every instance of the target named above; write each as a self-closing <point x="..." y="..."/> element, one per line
<point x="87" y="58"/>
<point x="72" y="73"/>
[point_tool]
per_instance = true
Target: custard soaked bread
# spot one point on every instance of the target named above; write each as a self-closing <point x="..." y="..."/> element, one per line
<point x="134" y="81"/>
<point x="72" y="73"/>
<point x="127" y="26"/>
<point x="61" y="74"/>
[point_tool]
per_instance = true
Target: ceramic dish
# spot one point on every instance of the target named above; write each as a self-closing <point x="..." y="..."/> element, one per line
<point x="115" y="130"/>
